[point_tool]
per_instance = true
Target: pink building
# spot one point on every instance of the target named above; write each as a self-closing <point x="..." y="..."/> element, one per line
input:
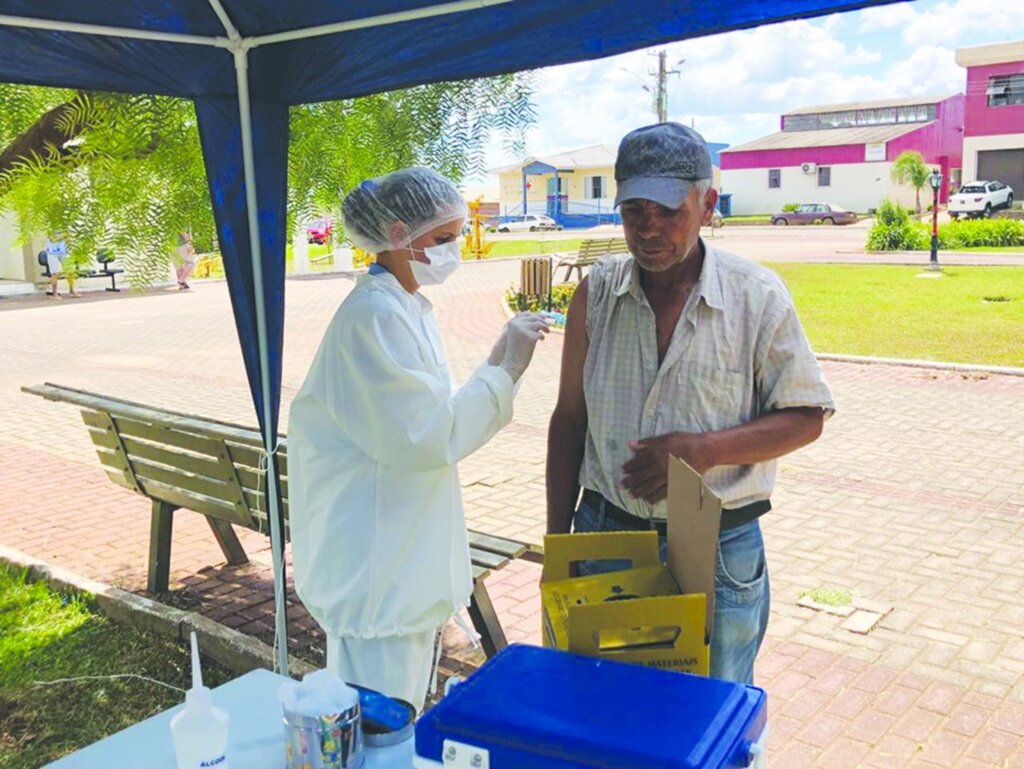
<point x="994" y="125"/>
<point x="843" y="153"/>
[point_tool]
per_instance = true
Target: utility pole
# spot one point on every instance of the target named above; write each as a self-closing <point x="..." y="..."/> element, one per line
<point x="661" y="94"/>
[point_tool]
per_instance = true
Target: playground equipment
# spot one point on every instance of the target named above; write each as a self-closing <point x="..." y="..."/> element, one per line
<point x="475" y="248"/>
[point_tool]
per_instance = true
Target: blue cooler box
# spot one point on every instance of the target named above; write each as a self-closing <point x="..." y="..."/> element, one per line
<point x="548" y="709"/>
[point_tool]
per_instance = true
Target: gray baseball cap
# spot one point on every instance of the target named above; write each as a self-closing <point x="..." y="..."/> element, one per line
<point x="659" y="162"/>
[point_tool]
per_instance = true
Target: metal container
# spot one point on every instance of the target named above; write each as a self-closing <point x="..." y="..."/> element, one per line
<point x="378" y="737"/>
<point x="328" y="742"/>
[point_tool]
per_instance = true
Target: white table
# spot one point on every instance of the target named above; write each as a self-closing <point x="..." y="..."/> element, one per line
<point x="255" y="741"/>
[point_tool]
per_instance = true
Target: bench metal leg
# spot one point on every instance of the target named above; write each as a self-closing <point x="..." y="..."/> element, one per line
<point x="228" y="541"/>
<point x="160" y="546"/>
<point x="485" y="620"/>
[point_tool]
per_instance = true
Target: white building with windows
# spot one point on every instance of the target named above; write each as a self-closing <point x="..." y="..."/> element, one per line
<point x="994" y="124"/>
<point x="843" y="154"/>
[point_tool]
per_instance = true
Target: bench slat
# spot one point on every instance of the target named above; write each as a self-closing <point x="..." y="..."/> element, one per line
<point x="255" y="481"/>
<point x="246" y="456"/>
<point x="158" y="434"/>
<point x="200" y="461"/>
<point x="121" y="409"/>
<point x="155" y="490"/>
<point x="504" y="547"/>
<point x="137" y="449"/>
<point x="479" y="572"/>
<point x="490" y="560"/>
<point x="186" y="482"/>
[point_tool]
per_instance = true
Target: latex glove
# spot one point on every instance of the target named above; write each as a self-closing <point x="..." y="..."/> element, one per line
<point x="522" y="332"/>
<point x="497" y="354"/>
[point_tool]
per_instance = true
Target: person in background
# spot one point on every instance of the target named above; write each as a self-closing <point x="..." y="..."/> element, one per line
<point x="679" y="349"/>
<point x="56" y="256"/>
<point x="184" y="259"/>
<point x="375" y="435"/>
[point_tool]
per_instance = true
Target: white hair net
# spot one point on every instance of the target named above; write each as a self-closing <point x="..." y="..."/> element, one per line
<point x="417" y="199"/>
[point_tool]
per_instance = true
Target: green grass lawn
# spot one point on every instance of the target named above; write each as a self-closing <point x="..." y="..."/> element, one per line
<point x="888" y="311"/>
<point x="45" y="636"/>
<point x="764" y="218"/>
<point x="529" y="247"/>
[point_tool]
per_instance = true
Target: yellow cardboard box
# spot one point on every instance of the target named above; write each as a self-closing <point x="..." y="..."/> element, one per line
<point x="649" y="614"/>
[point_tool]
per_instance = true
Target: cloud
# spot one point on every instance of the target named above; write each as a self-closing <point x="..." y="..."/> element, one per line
<point x="734" y="86"/>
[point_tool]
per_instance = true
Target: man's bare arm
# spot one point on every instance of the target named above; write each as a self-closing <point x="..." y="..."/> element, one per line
<point x="567" y="430"/>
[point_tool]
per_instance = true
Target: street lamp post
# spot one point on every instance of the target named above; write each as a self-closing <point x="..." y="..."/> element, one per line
<point x="935" y="180"/>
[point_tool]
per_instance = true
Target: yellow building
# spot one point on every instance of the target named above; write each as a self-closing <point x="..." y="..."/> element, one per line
<point x="584" y="180"/>
<point x="579" y="182"/>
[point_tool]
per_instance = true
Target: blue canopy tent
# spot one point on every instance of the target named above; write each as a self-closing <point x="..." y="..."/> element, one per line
<point x="244" y="62"/>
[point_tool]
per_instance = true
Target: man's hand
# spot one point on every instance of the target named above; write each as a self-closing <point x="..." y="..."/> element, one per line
<point x="646" y="474"/>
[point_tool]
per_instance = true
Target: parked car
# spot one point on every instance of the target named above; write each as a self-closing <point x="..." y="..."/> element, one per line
<point x="319" y="232"/>
<point x="980" y="199"/>
<point x="816" y="213"/>
<point x="530" y="222"/>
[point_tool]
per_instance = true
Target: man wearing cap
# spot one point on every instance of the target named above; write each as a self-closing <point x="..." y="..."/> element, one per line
<point x="680" y="349"/>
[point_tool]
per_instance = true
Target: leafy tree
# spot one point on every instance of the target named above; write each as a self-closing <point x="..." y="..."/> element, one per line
<point x="125" y="172"/>
<point x="909" y="168"/>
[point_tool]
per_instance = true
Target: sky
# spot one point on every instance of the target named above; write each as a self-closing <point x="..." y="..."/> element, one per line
<point x="733" y="87"/>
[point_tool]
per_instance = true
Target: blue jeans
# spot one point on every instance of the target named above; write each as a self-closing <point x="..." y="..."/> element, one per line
<point x="742" y="599"/>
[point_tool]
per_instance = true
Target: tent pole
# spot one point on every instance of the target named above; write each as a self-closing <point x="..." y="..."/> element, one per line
<point x="443" y="9"/>
<point x="27" y="22"/>
<point x="269" y="439"/>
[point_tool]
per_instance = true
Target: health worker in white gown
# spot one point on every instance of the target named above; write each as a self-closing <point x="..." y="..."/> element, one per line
<point x="381" y="555"/>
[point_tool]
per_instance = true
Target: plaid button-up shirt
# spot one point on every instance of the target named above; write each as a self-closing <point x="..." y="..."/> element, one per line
<point x="738" y="352"/>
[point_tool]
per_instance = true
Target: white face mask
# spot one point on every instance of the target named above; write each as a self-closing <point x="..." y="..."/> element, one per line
<point x="444" y="260"/>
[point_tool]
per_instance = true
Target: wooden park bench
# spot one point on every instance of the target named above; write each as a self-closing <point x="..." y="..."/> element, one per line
<point x="590" y="251"/>
<point x="103" y="258"/>
<point x="185" y="462"/>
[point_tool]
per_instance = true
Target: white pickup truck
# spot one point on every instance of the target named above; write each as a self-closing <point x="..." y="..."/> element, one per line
<point x="980" y="199"/>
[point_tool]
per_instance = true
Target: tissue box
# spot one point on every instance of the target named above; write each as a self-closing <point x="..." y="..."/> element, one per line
<point x="546" y="709"/>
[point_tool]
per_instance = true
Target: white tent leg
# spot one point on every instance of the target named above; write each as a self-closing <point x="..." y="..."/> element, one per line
<point x="270" y="442"/>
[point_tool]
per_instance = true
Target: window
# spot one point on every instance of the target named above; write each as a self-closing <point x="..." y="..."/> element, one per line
<point x="824" y="176"/>
<point x="1005" y="90"/>
<point x="593" y="187"/>
<point x="774" y="178"/>
<point x="916" y="113"/>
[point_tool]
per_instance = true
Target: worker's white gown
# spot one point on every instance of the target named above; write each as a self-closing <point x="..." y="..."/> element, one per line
<point x="377" y="527"/>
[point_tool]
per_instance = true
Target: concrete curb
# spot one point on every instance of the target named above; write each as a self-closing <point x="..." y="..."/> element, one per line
<point x="916" y="363"/>
<point x="235" y="651"/>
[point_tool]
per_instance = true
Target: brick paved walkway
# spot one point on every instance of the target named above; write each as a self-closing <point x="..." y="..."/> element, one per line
<point x="914" y="497"/>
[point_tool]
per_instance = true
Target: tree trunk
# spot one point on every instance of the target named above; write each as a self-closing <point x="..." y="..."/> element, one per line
<point x="48" y="130"/>
<point x="917" y="199"/>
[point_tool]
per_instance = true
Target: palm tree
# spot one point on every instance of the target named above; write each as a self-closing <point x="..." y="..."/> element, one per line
<point x="910" y="168"/>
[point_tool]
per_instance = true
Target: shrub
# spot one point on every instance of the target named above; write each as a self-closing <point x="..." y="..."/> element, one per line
<point x="790" y="208"/>
<point x="974" y="233"/>
<point x="561" y="295"/>
<point x="891" y="213"/>
<point x="893" y="230"/>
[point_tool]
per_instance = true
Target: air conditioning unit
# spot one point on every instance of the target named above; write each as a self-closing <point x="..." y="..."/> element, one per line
<point x="808" y="168"/>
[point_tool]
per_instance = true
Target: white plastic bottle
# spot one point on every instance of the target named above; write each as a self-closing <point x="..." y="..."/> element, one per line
<point x="200" y="731"/>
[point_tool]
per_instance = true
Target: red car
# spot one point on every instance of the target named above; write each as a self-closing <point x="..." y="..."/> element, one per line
<point x="319" y="232"/>
<point x="816" y="213"/>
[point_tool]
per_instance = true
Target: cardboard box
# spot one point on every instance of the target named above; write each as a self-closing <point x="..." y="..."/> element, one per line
<point x="651" y="614"/>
